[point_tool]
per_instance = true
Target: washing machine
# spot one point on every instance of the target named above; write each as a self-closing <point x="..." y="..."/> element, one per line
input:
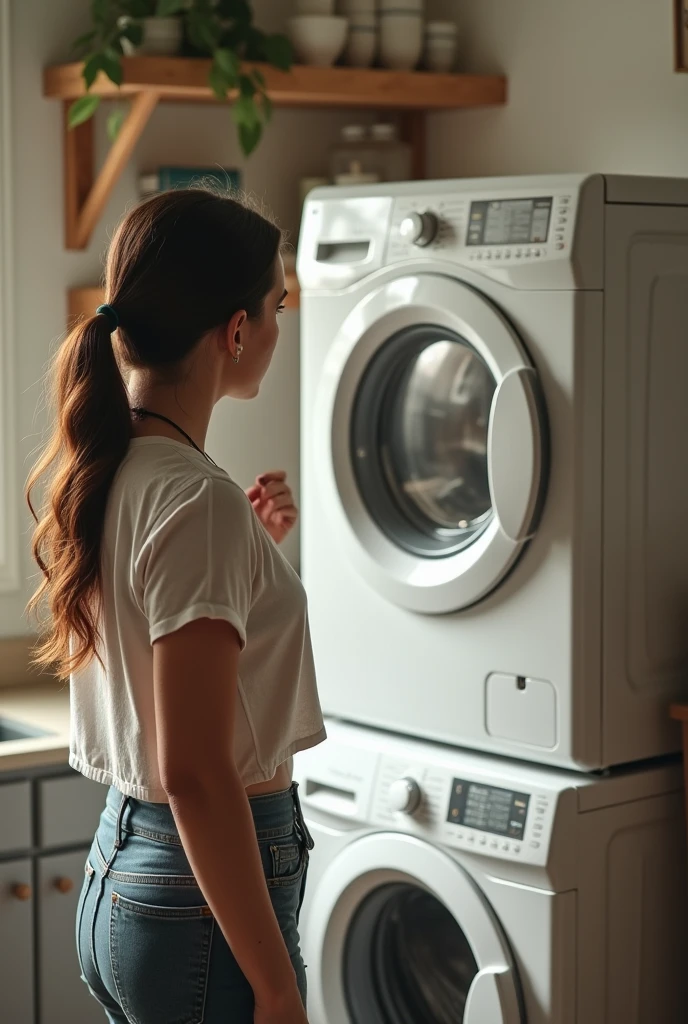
<point x="494" y="441"/>
<point x="447" y="887"/>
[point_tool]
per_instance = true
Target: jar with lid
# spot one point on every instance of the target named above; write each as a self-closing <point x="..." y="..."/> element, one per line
<point x="376" y="151"/>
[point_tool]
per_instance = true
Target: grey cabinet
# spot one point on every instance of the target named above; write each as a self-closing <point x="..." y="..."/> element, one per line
<point x="47" y="822"/>
<point x="62" y="995"/>
<point x="16" y="942"/>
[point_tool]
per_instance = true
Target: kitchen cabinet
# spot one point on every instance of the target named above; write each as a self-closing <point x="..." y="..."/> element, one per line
<point x="47" y="822"/>
<point x="62" y="995"/>
<point x="16" y="941"/>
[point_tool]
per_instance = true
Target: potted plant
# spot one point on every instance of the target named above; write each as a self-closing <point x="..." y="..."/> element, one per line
<point x="221" y="29"/>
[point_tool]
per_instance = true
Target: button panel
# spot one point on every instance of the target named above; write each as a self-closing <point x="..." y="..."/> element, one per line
<point x="452" y="213"/>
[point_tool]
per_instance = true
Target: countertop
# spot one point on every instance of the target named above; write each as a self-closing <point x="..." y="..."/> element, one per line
<point x="42" y="706"/>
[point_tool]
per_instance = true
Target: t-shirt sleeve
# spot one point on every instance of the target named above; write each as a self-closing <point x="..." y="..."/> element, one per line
<point x="199" y="560"/>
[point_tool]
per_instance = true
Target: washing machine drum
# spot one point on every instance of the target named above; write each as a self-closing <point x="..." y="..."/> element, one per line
<point x="397" y="933"/>
<point x="430" y="434"/>
<point x="406" y="960"/>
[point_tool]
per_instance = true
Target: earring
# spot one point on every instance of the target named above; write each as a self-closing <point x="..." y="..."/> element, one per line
<point x="239" y="350"/>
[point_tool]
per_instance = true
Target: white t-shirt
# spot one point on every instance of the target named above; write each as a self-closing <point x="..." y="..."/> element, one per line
<point x="182" y="542"/>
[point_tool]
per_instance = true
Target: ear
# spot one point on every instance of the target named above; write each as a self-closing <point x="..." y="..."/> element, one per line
<point x="233" y="331"/>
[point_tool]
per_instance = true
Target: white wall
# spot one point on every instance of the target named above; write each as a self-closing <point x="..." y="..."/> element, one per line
<point x="591" y="88"/>
<point x="246" y="438"/>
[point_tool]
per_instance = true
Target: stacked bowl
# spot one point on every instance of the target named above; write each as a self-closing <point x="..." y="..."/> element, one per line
<point x="317" y="34"/>
<point x="401" y="33"/>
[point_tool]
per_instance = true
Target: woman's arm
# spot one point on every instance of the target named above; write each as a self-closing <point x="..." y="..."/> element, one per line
<point x="195" y="679"/>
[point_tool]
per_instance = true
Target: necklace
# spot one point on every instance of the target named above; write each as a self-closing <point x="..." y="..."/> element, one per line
<point x="140" y="412"/>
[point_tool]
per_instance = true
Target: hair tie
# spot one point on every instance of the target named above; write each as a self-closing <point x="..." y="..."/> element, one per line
<point x="111" y="313"/>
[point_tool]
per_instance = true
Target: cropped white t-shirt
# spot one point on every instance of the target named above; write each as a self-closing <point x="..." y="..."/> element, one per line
<point x="181" y="542"/>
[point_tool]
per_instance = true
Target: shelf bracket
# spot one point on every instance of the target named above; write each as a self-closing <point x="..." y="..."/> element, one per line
<point x="85" y="194"/>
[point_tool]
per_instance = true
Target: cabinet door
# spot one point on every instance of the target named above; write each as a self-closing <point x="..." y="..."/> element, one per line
<point x="16" y="942"/>
<point x="63" y="996"/>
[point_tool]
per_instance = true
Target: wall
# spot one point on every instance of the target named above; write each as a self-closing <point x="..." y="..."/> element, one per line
<point x="591" y="88"/>
<point x="246" y="438"/>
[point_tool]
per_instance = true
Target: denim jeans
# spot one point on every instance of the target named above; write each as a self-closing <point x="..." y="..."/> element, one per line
<point x="149" y="947"/>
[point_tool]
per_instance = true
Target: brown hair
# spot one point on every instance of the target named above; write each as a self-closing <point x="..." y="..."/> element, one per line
<point x="180" y="264"/>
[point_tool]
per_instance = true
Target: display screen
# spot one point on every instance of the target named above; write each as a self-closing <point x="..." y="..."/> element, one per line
<point x="489" y="809"/>
<point x="509" y="221"/>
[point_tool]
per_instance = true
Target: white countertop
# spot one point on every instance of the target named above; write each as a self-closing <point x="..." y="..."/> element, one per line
<point x="43" y="706"/>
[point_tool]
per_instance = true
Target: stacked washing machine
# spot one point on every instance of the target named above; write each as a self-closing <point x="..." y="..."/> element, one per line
<point x="495" y="549"/>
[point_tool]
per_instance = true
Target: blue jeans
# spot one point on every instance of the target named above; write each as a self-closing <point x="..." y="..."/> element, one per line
<point x="149" y="947"/>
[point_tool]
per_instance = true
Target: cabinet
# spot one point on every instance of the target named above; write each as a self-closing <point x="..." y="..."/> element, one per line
<point x="46" y="828"/>
<point x="16" y="941"/>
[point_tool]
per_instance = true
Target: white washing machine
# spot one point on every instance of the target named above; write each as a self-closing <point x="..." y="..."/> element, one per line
<point x="449" y="887"/>
<point x="494" y="450"/>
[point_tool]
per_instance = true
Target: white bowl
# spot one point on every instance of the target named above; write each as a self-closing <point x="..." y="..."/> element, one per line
<point x="162" y="37"/>
<point x="317" y="39"/>
<point x="401" y="41"/>
<point x="321" y="7"/>
<point x="440" y="54"/>
<point x="361" y="46"/>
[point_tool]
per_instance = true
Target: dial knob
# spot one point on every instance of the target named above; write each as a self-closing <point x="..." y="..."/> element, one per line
<point x="419" y="228"/>
<point x="404" y="795"/>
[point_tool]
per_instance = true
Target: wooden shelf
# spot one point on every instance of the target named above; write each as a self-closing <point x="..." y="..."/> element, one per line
<point x="85" y="301"/>
<point x="148" y="81"/>
<point x="183" y="79"/>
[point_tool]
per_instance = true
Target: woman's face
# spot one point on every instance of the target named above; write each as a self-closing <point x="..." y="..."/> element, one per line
<point x="258" y="339"/>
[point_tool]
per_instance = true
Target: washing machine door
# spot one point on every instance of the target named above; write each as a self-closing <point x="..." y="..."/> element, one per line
<point x="397" y="933"/>
<point x="430" y="436"/>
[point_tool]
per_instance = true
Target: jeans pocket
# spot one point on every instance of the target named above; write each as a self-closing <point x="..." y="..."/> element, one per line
<point x="160" y="959"/>
<point x="286" y="861"/>
<point x="83" y="943"/>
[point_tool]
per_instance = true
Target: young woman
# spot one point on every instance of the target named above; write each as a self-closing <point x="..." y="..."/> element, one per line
<point x="182" y="628"/>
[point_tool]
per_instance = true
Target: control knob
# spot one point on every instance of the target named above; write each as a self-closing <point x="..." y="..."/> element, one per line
<point x="404" y="795"/>
<point x="419" y="228"/>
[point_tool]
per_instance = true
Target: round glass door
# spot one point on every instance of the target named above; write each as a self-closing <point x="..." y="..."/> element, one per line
<point x="419" y="440"/>
<point x="406" y="960"/>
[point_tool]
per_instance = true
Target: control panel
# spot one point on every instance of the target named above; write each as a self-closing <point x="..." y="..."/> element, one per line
<point x="485" y="231"/>
<point x="472" y="814"/>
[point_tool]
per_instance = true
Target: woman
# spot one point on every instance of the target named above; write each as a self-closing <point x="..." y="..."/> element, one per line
<point x="181" y="626"/>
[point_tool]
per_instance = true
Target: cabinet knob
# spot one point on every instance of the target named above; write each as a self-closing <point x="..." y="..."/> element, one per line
<point x="63" y="884"/>
<point x="21" y="891"/>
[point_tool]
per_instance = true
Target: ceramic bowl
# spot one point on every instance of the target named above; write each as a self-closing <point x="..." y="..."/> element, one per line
<point x="319" y="7"/>
<point x="361" y="46"/>
<point x="401" y="41"/>
<point x="318" y="39"/>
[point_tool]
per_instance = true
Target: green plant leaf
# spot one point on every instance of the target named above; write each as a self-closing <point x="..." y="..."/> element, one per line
<point x="139" y="8"/>
<point x="228" y="62"/>
<point x="83" y="41"/>
<point x="237" y="10"/>
<point x="99" y="10"/>
<point x="112" y="65"/>
<point x="134" y="33"/>
<point x="266" y="104"/>
<point x="259" y="78"/>
<point x="218" y="82"/>
<point x="204" y="30"/>
<point x="115" y="121"/>
<point x="249" y="136"/>
<point x="166" y="8"/>
<point x="82" y="109"/>
<point x="247" y="87"/>
<point x="278" y="51"/>
<point x="91" y="68"/>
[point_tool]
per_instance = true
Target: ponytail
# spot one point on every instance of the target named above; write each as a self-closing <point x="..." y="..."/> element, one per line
<point x="180" y="264"/>
<point x="90" y="439"/>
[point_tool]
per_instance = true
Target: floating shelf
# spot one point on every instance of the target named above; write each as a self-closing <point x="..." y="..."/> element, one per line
<point x="148" y="81"/>
<point x="85" y="301"/>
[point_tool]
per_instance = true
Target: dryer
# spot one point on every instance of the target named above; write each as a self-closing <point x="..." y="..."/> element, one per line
<point x="494" y="439"/>
<point x="449" y="887"/>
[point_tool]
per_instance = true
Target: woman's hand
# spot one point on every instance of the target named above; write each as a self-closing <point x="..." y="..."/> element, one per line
<point x="273" y="503"/>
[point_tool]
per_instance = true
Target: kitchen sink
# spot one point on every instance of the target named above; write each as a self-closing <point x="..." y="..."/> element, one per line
<point x="10" y="729"/>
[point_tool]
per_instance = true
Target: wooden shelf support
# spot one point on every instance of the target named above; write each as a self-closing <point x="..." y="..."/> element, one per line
<point x="86" y="197"/>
